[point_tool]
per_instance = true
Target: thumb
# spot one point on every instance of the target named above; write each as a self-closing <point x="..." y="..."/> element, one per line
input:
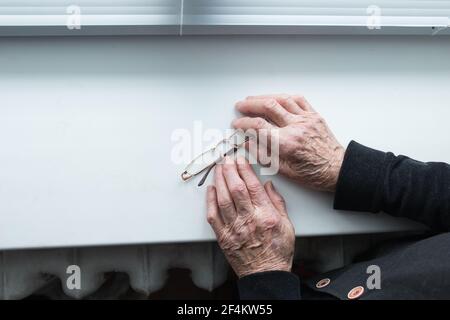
<point x="276" y="198"/>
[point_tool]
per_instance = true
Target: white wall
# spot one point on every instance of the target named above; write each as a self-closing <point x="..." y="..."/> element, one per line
<point x="85" y="125"/>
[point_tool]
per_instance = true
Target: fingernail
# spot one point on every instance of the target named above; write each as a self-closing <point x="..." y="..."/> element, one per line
<point x="228" y="160"/>
<point x="272" y="186"/>
<point x="240" y="159"/>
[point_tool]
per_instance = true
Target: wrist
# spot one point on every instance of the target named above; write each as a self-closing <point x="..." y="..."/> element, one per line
<point x="335" y="168"/>
<point x="287" y="267"/>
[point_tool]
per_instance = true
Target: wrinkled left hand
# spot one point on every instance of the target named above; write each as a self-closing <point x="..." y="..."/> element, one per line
<point x="309" y="153"/>
<point x="250" y="220"/>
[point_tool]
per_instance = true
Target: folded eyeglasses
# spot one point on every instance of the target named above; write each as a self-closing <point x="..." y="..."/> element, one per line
<point x="206" y="161"/>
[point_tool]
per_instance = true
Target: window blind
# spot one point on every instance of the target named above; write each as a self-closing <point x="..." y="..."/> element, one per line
<point x="316" y="16"/>
<point x="183" y="17"/>
<point x="89" y="16"/>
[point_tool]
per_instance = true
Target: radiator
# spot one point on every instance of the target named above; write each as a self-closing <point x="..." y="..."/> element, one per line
<point x="22" y="272"/>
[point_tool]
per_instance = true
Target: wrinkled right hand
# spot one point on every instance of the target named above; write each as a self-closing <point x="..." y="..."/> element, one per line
<point x="308" y="151"/>
<point x="250" y="220"/>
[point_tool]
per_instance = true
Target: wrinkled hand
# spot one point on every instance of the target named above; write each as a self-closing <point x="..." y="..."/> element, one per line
<point x="249" y="220"/>
<point x="308" y="151"/>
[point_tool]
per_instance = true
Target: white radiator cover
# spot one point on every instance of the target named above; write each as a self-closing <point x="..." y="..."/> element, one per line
<point x="86" y="125"/>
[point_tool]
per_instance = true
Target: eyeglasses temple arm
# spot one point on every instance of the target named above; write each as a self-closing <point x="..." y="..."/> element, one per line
<point x="206" y="174"/>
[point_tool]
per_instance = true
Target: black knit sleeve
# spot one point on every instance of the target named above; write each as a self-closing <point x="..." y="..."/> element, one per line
<point x="272" y="285"/>
<point x="375" y="181"/>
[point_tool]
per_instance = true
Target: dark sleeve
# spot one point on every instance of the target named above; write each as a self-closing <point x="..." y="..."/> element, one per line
<point x="271" y="285"/>
<point x="375" y="181"/>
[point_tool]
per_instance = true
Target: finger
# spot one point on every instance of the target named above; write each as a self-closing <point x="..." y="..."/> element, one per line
<point x="259" y="125"/>
<point x="224" y="200"/>
<point x="237" y="187"/>
<point x="290" y="105"/>
<point x="259" y="151"/>
<point x="267" y="96"/>
<point x="285" y="100"/>
<point x="213" y="214"/>
<point x="268" y="108"/>
<point x="276" y="198"/>
<point x="255" y="189"/>
<point x="298" y="99"/>
<point x="303" y="103"/>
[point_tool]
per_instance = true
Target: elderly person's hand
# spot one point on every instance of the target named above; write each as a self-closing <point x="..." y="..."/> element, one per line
<point x="309" y="153"/>
<point x="249" y="220"/>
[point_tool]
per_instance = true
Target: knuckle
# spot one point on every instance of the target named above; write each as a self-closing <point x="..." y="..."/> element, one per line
<point x="210" y="218"/>
<point x="225" y="204"/>
<point x="227" y="167"/>
<point x="284" y="97"/>
<point x="270" y="104"/>
<point x="234" y="240"/>
<point x="281" y="201"/>
<point x="320" y="120"/>
<point x="256" y="191"/>
<point x="254" y="186"/>
<point x="301" y="134"/>
<point x="260" y="123"/>
<point x="243" y="230"/>
<point x="271" y="221"/>
<point x="242" y="163"/>
<point x="309" y="125"/>
<point x="315" y="122"/>
<point x="238" y="188"/>
<point x="241" y="233"/>
<point x="290" y="100"/>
